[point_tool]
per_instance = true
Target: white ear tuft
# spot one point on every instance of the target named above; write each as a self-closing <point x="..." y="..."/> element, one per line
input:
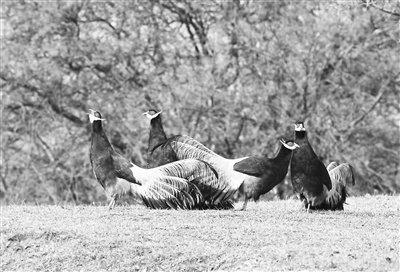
<point x="299" y="127"/>
<point x="150" y="116"/>
<point x="291" y="147"/>
<point x="93" y="118"/>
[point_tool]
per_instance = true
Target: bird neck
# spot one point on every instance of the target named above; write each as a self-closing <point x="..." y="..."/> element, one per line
<point x="97" y="126"/>
<point x="157" y="134"/>
<point x="99" y="138"/>
<point x="300" y="136"/>
<point x="283" y="153"/>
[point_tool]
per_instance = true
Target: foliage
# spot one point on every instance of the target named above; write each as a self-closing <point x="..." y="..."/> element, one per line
<point x="233" y="74"/>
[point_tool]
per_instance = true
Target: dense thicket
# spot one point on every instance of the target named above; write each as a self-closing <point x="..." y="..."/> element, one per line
<point x="233" y="74"/>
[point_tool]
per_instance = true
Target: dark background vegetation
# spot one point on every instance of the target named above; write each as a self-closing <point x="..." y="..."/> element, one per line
<point x="233" y="74"/>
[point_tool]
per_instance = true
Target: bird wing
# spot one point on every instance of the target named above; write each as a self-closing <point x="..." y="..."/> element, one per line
<point x="185" y="150"/>
<point x="169" y="193"/>
<point x="122" y="167"/>
<point x="175" y="185"/>
<point x="189" y="141"/>
<point x="161" y="190"/>
<point x="253" y="166"/>
<point x="196" y="172"/>
<point x="157" y="135"/>
<point x="228" y="180"/>
<point x="204" y="177"/>
<point x="323" y="173"/>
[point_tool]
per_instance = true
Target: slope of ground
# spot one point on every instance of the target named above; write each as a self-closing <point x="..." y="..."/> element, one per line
<point x="275" y="235"/>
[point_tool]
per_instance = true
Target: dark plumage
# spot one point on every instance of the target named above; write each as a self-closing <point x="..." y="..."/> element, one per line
<point x="270" y="171"/>
<point x="308" y="173"/>
<point x="310" y="178"/>
<point x="156" y="155"/>
<point x="172" y="186"/>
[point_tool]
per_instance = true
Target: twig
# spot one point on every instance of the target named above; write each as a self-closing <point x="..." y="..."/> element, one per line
<point x="379" y="175"/>
<point x="241" y="127"/>
<point x="382" y="91"/>
<point x="43" y="183"/>
<point x="46" y="147"/>
<point x="3" y="177"/>
<point x="53" y="104"/>
<point x="370" y="3"/>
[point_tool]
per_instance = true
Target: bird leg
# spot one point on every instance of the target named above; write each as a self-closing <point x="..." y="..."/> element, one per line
<point x="244" y="204"/>
<point x="112" y="203"/>
<point x="304" y="203"/>
<point x="308" y="206"/>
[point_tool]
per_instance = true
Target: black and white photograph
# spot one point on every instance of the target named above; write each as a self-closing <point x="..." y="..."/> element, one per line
<point x="215" y="135"/>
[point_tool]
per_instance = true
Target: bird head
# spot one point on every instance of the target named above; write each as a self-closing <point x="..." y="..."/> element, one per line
<point x="152" y="113"/>
<point x="94" y="116"/>
<point x="289" y="144"/>
<point x="299" y="126"/>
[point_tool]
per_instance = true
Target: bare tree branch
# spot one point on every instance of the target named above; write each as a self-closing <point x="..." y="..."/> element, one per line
<point x="50" y="99"/>
<point x="382" y="91"/>
<point x="371" y="3"/>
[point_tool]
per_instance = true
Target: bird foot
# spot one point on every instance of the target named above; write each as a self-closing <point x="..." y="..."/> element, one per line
<point x="244" y="206"/>
<point x="112" y="204"/>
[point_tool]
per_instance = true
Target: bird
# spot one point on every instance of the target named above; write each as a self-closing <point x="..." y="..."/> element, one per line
<point x="270" y="171"/>
<point x="171" y="186"/>
<point x="179" y="147"/>
<point x="310" y="179"/>
<point x="161" y="151"/>
<point x="157" y="156"/>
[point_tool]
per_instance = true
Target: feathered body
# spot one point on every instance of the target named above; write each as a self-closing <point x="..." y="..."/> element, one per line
<point x="171" y="186"/>
<point x="310" y="178"/>
<point x="158" y="156"/>
<point x="104" y="158"/>
<point x="308" y="173"/>
<point x="270" y="171"/>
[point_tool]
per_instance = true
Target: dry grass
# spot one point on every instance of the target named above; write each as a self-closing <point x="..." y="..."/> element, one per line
<point x="269" y="236"/>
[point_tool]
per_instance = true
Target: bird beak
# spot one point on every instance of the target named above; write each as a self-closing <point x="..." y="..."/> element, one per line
<point x="299" y="127"/>
<point x="148" y="115"/>
<point x="92" y="117"/>
<point x="291" y="147"/>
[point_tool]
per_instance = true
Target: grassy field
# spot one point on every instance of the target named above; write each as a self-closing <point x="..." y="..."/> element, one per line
<point x="269" y="236"/>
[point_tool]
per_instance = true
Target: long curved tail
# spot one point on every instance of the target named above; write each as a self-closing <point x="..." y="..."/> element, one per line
<point x="185" y="184"/>
<point x="341" y="176"/>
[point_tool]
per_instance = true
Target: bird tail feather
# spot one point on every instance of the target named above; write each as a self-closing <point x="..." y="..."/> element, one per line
<point x="341" y="176"/>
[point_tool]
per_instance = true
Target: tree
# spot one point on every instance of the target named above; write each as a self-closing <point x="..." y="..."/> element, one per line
<point x="234" y="75"/>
